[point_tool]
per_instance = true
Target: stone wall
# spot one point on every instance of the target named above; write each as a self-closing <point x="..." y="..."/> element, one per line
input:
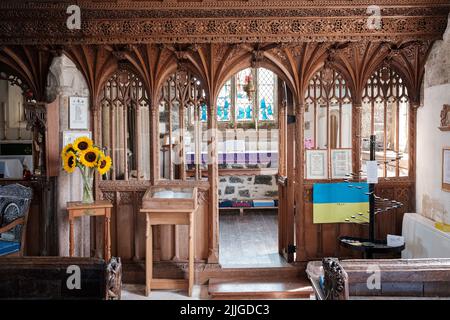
<point x="66" y="80"/>
<point x="431" y="200"/>
<point x="248" y="187"/>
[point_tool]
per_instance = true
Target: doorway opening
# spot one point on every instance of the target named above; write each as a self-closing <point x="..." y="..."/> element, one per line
<point x="248" y="149"/>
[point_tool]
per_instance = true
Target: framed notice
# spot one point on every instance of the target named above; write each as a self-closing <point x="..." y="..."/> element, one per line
<point x="446" y="169"/>
<point x="78" y="112"/>
<point x="316" y="164"/>
<point x="341" y="163"/>
<point x="71" y="136"/>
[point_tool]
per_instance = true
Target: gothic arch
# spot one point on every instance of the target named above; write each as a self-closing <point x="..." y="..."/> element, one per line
<point x="96" y="63"/>
<point x="30" y="64"/>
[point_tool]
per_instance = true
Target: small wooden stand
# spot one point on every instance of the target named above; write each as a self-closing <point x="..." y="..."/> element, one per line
<point x="98" y="208"/>
<point x="161" y="211"/>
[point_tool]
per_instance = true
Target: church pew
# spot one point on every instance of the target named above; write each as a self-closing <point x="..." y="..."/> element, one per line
<point x="424" y="278"/>
<point x="60" y="278"/>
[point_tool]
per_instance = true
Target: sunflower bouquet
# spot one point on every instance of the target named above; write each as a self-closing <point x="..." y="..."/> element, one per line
<point x="88" y="158"/>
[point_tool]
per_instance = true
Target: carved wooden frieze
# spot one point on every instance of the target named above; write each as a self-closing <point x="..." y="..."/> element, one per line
<point x="219" y="21"/>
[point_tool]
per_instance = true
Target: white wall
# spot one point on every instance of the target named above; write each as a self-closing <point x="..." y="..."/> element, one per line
<point x="12" y="118"/>
<point x="431" y="200"/>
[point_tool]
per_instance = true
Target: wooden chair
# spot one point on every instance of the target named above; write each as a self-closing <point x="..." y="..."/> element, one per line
<point x="14" y="205"/>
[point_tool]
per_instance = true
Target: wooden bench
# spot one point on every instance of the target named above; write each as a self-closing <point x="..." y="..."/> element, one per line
<point x="53" y="278"/>
<point x="420" y="278"/>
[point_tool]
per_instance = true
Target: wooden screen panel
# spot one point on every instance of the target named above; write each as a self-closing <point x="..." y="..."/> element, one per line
<point x="125" y="126"/>
<point x="179" y="117"/>
<point x="386" y="114"/>
<point x="170" y="242"/>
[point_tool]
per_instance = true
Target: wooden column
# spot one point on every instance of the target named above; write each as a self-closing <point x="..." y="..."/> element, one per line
<point x="138" y="143"/>
<point x="412" y="136"/>
<point x="213" y="176"/>
<point x="154" y="166"/>
<point x="356" y="134"/>
<point x="154" y="142"/>
<point x="299" y="179"/>
<point x="282" y="129"/>
<point x="182" y="156"/>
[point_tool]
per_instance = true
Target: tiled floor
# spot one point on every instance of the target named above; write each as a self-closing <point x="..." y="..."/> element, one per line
<point x="250" y="240"/>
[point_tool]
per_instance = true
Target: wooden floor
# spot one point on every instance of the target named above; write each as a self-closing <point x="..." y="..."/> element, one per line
<point x="249" y="240"/>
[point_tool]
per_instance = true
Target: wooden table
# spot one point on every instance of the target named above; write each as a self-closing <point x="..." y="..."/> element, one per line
<point x="98" y="208"/>
<point x="168" y="217"/>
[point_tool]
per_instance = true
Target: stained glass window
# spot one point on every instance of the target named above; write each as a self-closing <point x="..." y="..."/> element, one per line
<point x="224" y="103"/>
<point x="266" y="94"/>
<point x="203" y="113"/>
<point x="244" y="106"/>
<point x="233" y="102"/>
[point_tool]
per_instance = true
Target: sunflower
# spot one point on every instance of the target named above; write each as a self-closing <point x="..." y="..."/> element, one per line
<point x="82" y="144"/>
<point x="70" y="162"/>
<point x="66" y="149"/>
<point x="104" y="164"/>
<point x="89" y="157"/>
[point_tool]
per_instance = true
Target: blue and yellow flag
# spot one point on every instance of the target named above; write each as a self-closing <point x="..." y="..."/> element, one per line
<point x="335" y="202"/>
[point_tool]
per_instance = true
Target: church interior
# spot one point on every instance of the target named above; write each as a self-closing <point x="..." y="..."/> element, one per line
<point x="211" y="149"/>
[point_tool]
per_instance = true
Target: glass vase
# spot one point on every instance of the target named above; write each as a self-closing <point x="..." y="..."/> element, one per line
<point x="88" y="183"/>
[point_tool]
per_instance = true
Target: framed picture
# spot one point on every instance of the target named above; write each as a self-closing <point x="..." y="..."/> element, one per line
<point x="446" y="169"/>
<point x="71" y="136"/>
<point x="445" y="118"/>
<point x="78" y="112"/>
<point x="341" y="163"/>
<point x="316" y="164"/>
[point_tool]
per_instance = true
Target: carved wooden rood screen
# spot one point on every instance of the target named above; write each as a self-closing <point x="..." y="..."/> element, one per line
<point x="136" y="52"/>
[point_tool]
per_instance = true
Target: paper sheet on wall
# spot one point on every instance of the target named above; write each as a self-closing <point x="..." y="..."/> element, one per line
<point x="372" y="171"/>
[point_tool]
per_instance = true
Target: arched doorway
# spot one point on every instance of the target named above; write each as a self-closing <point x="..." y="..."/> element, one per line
<point x="248" y="114"/>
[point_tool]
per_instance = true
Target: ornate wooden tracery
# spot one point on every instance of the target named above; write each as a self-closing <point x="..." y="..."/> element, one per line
<point x="125" y="123"/>
<point x="328" y="114"/>
<point x="180" y="112"/>
<point x="386" y="114"/>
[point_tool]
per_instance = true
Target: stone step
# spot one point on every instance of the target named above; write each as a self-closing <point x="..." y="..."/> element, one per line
<point x="288" y="273"/>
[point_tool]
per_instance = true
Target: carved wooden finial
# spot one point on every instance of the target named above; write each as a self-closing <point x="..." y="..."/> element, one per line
<point x="335" y="280"/>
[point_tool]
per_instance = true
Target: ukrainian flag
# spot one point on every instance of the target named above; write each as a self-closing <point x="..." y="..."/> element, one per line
<point x="335" y="202"/>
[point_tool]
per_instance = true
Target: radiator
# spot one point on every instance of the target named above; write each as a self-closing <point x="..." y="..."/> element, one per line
<point x="423" y="239"/>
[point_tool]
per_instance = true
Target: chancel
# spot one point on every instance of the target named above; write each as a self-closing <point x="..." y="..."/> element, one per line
<point x="224" y="149"/>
